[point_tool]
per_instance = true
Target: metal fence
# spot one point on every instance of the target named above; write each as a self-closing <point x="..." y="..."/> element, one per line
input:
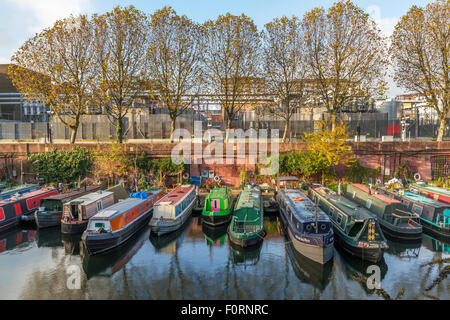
<point x="158" y="126"/>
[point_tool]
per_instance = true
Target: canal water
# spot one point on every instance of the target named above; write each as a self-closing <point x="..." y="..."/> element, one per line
<point x="198" y="262"/>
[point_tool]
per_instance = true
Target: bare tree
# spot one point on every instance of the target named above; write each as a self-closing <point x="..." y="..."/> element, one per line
<point x="346" y="54"/>
<point x="284" y="66"/>
<point x="56" y="67"/>
<point x="420" y="52"/>
<point x="175" y="60"/>
<point x="231" y="59"/>
<point x="121" y="41"/>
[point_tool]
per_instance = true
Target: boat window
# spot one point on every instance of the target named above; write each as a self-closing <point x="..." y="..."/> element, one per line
<point x="99" y="206"/>
<point x="417" y="209"/>
<point x="339" y="218"/>
<point x="142" y="208"/>
<point x="406" y="203"/>
<point x="51" y="205"/>
<point x="99" y="225"/>
<point x="368" y="203"/>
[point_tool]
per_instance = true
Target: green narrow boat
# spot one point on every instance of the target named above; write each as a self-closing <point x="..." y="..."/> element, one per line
<point x="217" y="209"/>
<point x="246" y="228"/>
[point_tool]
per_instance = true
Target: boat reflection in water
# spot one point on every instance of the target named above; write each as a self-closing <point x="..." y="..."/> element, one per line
<point x="245" y="257"/>
<point x="307" y="270"/>
<point x="215" y="236"/>
<point x="435" y="245"/>
<point x="170" y="242"/>
<point x="404" y="249"/>
<point x="108" y="263"/>
<point x="49" y="237"/>
<point x="15" y="238"/>
<point x="355" y="267"/>
<point x="72" y="243"/>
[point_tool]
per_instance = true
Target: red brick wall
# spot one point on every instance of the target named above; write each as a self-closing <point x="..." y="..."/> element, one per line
<point x="370" y="154"/>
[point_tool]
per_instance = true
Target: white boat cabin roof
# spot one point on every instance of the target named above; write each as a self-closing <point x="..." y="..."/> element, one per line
<point x="89" y="198"/>
<point x="302" y="207"/>
<point x="118" y="208"/>
<point x="176" y="195"/>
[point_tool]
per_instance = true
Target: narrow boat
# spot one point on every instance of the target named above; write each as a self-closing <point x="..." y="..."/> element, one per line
<point x="12" y="210"/>
<point x="172" y="211"/>
<point x="436" y="193"/>
<point x="434" y="215"/>
<point x="21" y="189"/>
<point x="392" y="215"/>
<point x="77" y="212"/>
<point x="247" y="227"/>
<point x="217" y="208"/>
<point x="308" y="227"/>
<point x="50" y="210"/>
<point x="114" y="225"/>
<point x="356" y="229"/>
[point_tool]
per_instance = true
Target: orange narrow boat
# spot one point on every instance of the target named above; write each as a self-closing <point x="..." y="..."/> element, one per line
<point x="114" y="225"/>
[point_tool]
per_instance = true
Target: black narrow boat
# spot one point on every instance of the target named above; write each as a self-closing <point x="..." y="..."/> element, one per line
<point x="13" y="209"/>
<point x="356" y="229"/>
<point x="395" y="221"/>
<point x="434" y="215"/>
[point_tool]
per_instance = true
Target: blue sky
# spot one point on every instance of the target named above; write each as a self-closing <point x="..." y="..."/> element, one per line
<point x="20" y="19"/>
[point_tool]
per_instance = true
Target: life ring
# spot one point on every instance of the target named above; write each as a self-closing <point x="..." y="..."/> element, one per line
<point x="417" y="176"/>
<point x="185" y="175"/>
<point x="378" y="181"/>
<point x="217" y="179"/>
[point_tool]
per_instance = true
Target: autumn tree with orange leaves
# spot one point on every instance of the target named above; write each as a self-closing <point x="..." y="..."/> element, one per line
<point x="231" y="60"/>
<point x="420" y="51"/>
<point x="346" y="54"/>
<point x="284" y="66"/>
<point x="121" y="41"/>
<point x="57" y="67"/>
<point x="174" y="57"/>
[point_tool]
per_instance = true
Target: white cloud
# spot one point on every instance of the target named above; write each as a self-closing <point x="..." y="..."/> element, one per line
<point x="21" y="19"/>
<point x="46" y="12"/>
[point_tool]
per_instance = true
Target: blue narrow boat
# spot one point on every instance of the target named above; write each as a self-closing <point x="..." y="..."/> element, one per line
<point x="434" y="215"/>
<point x="308" y="227"/>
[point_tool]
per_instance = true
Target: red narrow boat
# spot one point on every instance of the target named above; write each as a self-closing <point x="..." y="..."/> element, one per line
<point x="14" y="208"/>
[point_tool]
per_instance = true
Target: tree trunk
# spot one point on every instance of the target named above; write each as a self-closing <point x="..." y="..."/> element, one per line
<point x="441" y="128"/>
<point x="73" y="135"/>
<point x="119" y="130"/>
<point x="286" y="127"/>
<point x="333" y="121"/>
<point x="227" y="128"/>
<point x="172" y="128"/>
